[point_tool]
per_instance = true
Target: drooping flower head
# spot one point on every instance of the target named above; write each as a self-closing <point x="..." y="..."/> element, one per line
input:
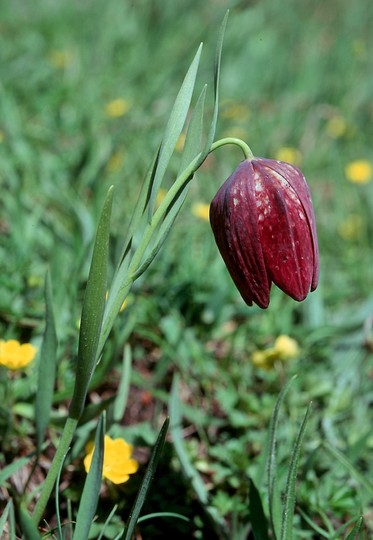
<point x="264" y="226"/>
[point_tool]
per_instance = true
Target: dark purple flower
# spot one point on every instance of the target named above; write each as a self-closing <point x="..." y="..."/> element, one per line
<point x="264" y="226"/>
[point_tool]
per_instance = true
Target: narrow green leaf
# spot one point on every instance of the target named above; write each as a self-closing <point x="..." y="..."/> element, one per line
<point x="3" y="518"/>
<point x="258" y="519"/>
<point x="92" y="485"/>
<point x="10" y="469"/>
<point x="350" y="467"/>
<point x="218" y="52"/>
<point x="46" y="368"/>
<point x="274" y="502"/>
<point x="57" y="498"/>
<point x="162" y="514"/>
<point x="174" y="126"/>
<point x="124" y="385"/>
<point x="353" y="535"/>
<point x="107" y="522"/>
<point x="145" y="485"/>
<point x="175" y="427"/>
<point x="28" y="527"/>
<point x="193" y="138"/>
<point x="289" y="504"/>
<point x="93" y="310"/>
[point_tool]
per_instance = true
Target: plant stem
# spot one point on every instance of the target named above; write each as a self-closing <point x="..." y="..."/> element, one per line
<point x="233" y="140"/>
<point x="62" y="449"/>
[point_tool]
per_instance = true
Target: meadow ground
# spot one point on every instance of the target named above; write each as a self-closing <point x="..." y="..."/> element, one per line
<point x="85" y="95"/>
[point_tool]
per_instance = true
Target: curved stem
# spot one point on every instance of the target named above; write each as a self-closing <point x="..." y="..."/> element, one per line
<point x="233" y="140"/>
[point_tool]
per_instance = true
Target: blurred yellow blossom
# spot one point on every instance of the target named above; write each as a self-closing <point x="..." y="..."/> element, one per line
<point x="336" y="127"/>
<point x="115" y="162"/>
<point x="116" y="108"/>
<point x="233" y="110"/>
<point x="60" y="58"/>
<point x="359" y="48"/>
<point x="201" y="210"/>
<point x="160" y="196"/>
<point x="13" y="355"/>
<point x="1" y="136"/>
<point x="351" y="227"/>
<point x="122" y="307"/>
<point x="284" y="348"/>
<point x="180" y="143"/>
<point x="118" y="464"/>
<point x="359" y="171"/>
<point x="289" y="154"/>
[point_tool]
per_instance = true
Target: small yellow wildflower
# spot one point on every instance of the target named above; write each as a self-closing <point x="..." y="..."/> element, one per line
<point x="233" y="110"/>
<point x="285" y="348"/>
<point x="180" y="143"/>
<point x="13" y="355"/>
<point x="336" y="127"/>
<point x="201" y="210"/>
<point x="60" y="58"/>
<point x="115" y="162"/>
<point x="359" y="171"/>
<point x="351" y="227"/>
<point x="289" y="154"/>
<point x="118" y="464"/>
<point x="116" y="108"/>
<point x="2" y="136"/>
<point x="160" y="196"/>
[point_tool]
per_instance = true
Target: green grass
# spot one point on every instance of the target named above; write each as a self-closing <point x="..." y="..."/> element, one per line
<point x="287" y="69"/>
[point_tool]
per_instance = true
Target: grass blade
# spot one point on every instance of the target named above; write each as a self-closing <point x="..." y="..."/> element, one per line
<point x="353" y="535"/>
<point x="93" y="310"/>
<point x="258" y="519"/>
<point x="274" y="501"/>
<point x="174" y="126"/>
<point x="145" y="485"/>
<point x="29" y="529"/>
<point x="10" y="469"/>
<point x="288" y="511"/>
<point x="92" y="485"/>
<point x="124" y="384"/>
<point x="46" y="368"/>
<point x="193" y="138"/>
<point x="218" y="52"/>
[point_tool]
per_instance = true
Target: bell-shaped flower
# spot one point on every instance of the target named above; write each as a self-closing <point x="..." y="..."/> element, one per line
<point x="264" y="226"/>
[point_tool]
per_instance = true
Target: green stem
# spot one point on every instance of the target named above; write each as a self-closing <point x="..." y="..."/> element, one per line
<point x="180" y="182"/>
<point x="62" y="449"/>
<point x="238" y="142"/>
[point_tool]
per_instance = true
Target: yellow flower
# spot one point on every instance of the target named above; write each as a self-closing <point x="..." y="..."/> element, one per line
<point x="351" y="227"/>
<point x="290" y="155"/>
<point x="116" y="108"/>
<point x="336" y="127"/>
<point x="118" y="464"/>
<point x="60" y="58"/>
<point x="115" y="162"/>
<point x="235" y="111"/>
<point x="2" y="136"/>
<point x="180" y="143"/>
<point x="359" y="171"/>
<point x="285" y="348"/>
<point x="160" y="196"/>
<point x="13" y="355"/>
<point x="201" y="210"/>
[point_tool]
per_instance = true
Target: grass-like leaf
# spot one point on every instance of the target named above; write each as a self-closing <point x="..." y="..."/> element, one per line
<point x="174" y="126"/>
<point x="46" y="368"/>
<point x="13" y="467"/>
<point x="93" y="310"/>
<point x="162" y="514"/>
<point x="124" y="384"/>
<point x="354" y="533"/>
<point x="29" y="529"/>
<point x="91" y="490"/>
<point x="8" y="513"/>
<point x="175" y="427"/>
<point x="145" y="485"/>
<point x="258" y="519"/>
<point x="193" y="138"/>
<point x="274" y="502"/>
<point x="289" y="504"/>
<point x="217" y="64"/>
